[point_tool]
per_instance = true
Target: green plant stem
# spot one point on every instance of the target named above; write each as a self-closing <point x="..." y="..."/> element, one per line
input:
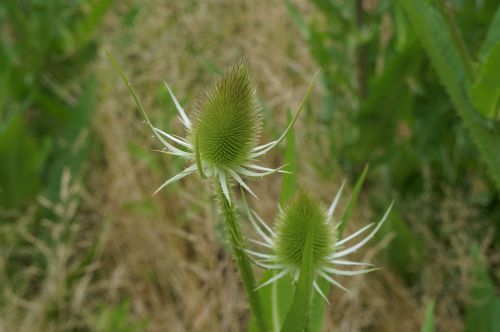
<point x="235" y="238"/>
<point x="445" y="10"/>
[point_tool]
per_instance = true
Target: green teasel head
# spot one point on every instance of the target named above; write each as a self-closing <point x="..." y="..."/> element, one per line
<point x="284" y="245"/>
<point x="227" y="120"/>
<point x="302" y="215"/>
<point x="223" y="130"/>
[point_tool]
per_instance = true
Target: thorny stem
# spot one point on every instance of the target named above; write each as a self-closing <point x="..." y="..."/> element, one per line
<point x="447" y="13"/>
<point x="235" y="238"/>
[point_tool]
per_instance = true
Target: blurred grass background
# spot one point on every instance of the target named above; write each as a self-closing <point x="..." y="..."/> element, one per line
<point x="85" y="247"/>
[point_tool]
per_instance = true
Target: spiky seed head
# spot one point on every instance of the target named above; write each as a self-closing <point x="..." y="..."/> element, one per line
<point x="227" y="122"/>
<point x="294" y="222"/>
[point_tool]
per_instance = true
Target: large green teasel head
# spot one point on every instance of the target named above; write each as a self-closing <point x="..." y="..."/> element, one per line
<point x="227" y="121"/>
<point x="303" y="215"/>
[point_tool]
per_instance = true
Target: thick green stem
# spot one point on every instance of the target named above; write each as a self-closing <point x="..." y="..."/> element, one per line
<point x="244" y="266"/>
<point x="445" y="10"/>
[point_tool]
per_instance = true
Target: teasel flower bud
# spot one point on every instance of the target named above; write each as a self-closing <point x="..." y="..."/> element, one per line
<point x="285" y="243"/>
<point x="223" y="131"/>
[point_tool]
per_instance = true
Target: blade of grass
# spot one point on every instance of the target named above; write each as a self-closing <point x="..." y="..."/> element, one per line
<point x="346" y="216"/>
<point x="492" y="36"/>
<point x="485" y="92"/>
<point x="428" y="325"/>
<point x="297" y="319"/>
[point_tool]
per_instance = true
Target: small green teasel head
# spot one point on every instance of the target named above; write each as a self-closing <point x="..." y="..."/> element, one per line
<point x="293" y="223"/>
<point x="285" y="243"/>
<point x="223" y="130"/>
<point x="227" y="121"/>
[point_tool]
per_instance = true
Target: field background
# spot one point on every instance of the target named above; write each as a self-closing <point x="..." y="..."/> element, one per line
<point x="84" y="246"/>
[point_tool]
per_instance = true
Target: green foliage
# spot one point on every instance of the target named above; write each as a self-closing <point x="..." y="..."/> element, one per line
<point x="39" y="106"/>
<point x="446" y="59"/>
<point x="116" y="319"/>
<point x="485" y="92"/>
<point x="86" y="25"/>
<point x="492" y="36"/>
<point x="278" y="296"/>
<point x="405" y="252"/>
<point x="403" y="124"/>
<point x="297" y="318"/>
<point x="318" y="303"/>
<point x="482" y="311"/>
<point x="235" y="238"/>
<point x="289" y="180"/>
<point x="21" y="161"/>
<point x="428" y="325"/>
<point x="276" y="299"/>
<point x="346" y="215"/>
<point x="47" y="98"/>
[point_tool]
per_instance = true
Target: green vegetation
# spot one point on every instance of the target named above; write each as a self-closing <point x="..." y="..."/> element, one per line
<point x="410" y="88"/>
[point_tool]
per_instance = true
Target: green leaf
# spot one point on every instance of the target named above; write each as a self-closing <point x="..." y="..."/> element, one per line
<point x="21" y="163"/>
<point x="395" y="103"/>
<point x="485" y="92"/>
<point x="435" y="37"/>
<point x="278" y="296"/>
<point x="289" y="181"/>
<point x="276" y="299"/>
<point x="428" y="325"/>
<point x="492" y="37"/>
<point x="116" y="319"/>
<point x="86" y="26"/>
<point x="405" y="251"/>
<point x="72" y="151"/>
<point x="482" y="305"/>
<point x="297" y="19"/>
<point x="495" y="316"/>
<point x="318" y="303"/>
<point x="346" y="216"/>
<point x="297" y="318"/>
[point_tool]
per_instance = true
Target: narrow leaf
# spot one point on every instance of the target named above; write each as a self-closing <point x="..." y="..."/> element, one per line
<point x="480" y="311"/>
<point x="278" y="296"/>
<point x="289" y="180"/>
<point x="318" y="304"/>
<point x="485" y="92"/>
<point x="428" y="325"/>
<point x="492" y="37"/>
<point x="352" y="201"/>
<point x="297" y="319"/>
<point x="86" y="27"/>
